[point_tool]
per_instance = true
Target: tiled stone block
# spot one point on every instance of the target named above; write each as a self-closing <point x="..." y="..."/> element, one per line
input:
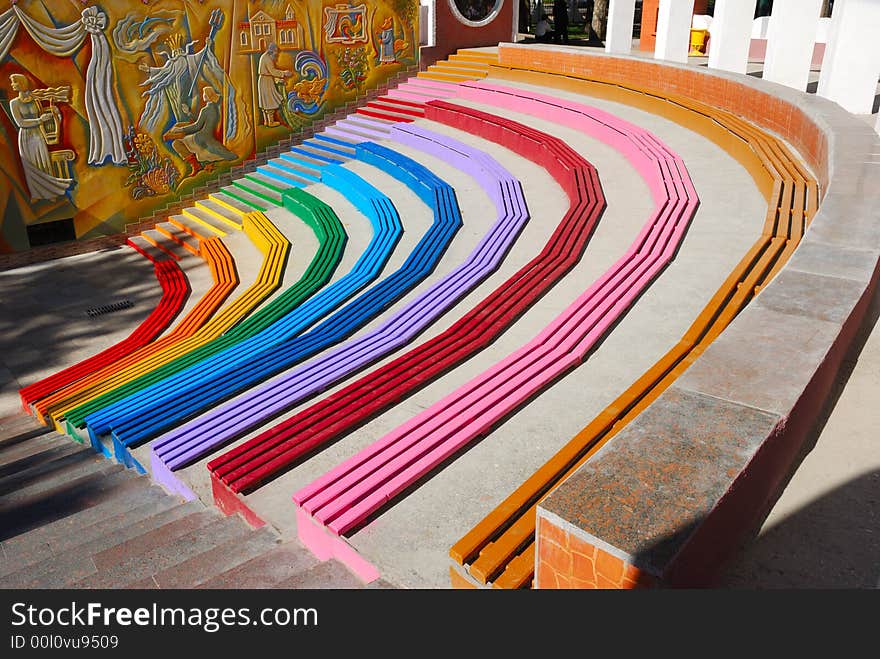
<point x="640" y="498"/>
<point x="784" y="351"/>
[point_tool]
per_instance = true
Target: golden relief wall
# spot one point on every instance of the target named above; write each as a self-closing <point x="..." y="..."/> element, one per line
<point x="111" y="111"/>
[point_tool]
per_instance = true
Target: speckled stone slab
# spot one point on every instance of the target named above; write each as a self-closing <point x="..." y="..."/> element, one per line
<point x="784" y="351"/>
<point x="647" y="490"/>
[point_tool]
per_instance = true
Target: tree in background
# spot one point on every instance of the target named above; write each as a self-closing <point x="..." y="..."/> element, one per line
<point x="600" y="18"/>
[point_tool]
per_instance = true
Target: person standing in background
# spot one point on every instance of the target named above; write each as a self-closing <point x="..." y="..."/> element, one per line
<point x="525" y="22"/>
<point x="560" y="21"/>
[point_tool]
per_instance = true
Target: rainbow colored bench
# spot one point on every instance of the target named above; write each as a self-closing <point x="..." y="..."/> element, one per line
<point x="500" y="551"/>
<point x="269" y="399"/>
<point x="360" y="400"/>
<point x="175" y="290"/>
<point x="274" y="247"/>
<point x="345" y="496"/>
<point x="183" y="443"/>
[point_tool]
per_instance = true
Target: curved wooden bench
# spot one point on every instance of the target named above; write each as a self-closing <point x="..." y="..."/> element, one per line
<point x="381" y="388"/>
<point x="188" y="390"/>
<point x="274" y="248"/>
<point x="246" y="461"/>
<point x="225" y="279"/>
<point x="245" y="467"/>
<point x="345" y="496"/>
<point x="331" y="239"/>
<point x="500" y="550"/>
<point x="794" y="200"/>
<point x="190" y="440"/>
<point x="175" y="290"/>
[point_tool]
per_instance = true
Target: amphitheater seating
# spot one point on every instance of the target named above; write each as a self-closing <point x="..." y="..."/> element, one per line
<point x="359" y="401"/>
<point x="349" y="493"/>
<point x="263" y="402"/>
<point x="129" y="395"/>
<point x="175" y="290"/>
<point x="500" y="550"/>
<point x="464" y="65"/>
<point x="274" y="248"/>
<point x="225" y="279"/>
<point x="438" y="196"/>
<point x="384" y="112"/>
<point x="244" y="467"/>
<point x="387" y="230"/>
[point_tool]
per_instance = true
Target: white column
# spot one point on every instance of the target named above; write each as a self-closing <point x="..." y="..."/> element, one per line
<point x="619" y="33"/>
<point x="731" y="34"/>
<point x="791" y="36"/>
<point x="852" y="56"/>
<point x="674" y="30"/>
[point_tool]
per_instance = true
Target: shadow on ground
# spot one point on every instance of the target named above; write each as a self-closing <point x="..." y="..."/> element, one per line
<point x="832" y="542"/>
<point x="44" y="326"/>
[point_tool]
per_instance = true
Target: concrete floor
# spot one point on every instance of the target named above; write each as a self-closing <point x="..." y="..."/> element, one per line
<point x="831" y="501"/>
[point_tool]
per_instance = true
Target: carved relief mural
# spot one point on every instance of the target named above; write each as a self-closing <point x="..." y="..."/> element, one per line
<point x="110" y="111"/>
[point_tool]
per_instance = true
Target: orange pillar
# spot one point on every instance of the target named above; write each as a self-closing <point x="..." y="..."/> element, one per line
<point x="650" y="9"/>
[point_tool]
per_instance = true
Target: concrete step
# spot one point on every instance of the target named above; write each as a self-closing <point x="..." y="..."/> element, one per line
<point x="329" y="574"/>
<point x="85" y="463"/>
<point x="444" y="76"/>
<point x="25" y="470"/>
<point x="348" y="140"/>
<point x="245" y="197"/>
<point x="299" y="162"/>
<point x="312" y="158"/>
<point x="162" y="548"/>
<point x="224" y="215"/>
<point x="342" y="151"/>
<point x="356" y="131"/>
<point x="387" y="114"/>
<point x="388" y="103"/>
<point x="454" y="69"/>
<point x="13" y="427"/>
<point x="149" y="248"/>
<point x="207" y="565"/>
<point x="270" y="183"/>
<point x="77" y="562"/>
<point x="181" y="237"/>
<point x="192" y="227"/>
<point x="371" y="123"/>
<point x="225" y="199"/>
<point x="470" y="62"/>
<point x="292" y="178"/>
<point x="12" y="452"/>
<point x="209" y="221"/>
<point x="132" y="501"/>
<point x="24" y="435"/>
<point x="164" y="243"/>
<point x="312" y="148"/>
<point x="265" y="571"/>
<point x="65" y="492"/>
<point x="479" y="55"/>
